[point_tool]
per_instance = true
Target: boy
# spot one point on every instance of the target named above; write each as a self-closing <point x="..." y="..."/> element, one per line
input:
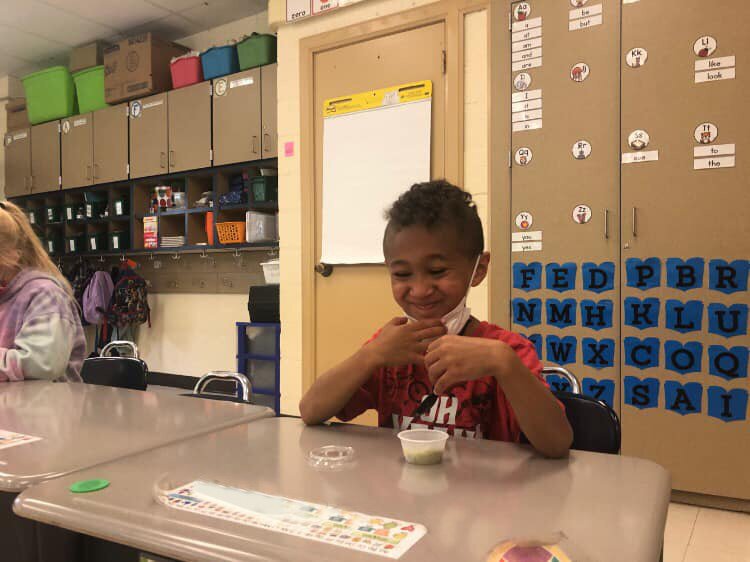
<point x="488" y="380"/>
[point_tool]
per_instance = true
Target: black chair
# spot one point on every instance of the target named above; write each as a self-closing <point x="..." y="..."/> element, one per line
<point x="596" y="426"/>
<point x="242" y="392"/>
<point x="122" y="372"/>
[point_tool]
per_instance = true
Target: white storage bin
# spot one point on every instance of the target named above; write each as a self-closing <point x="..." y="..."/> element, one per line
<point x="260" y="227"/>
<point x="271" y="272"/>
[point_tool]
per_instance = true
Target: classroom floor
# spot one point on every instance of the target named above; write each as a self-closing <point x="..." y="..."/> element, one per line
<point x="696" y="534"/>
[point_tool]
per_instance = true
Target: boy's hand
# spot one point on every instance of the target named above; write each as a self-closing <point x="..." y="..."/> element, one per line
<point x="454" y="359"/>
<point x="401" y="342"/>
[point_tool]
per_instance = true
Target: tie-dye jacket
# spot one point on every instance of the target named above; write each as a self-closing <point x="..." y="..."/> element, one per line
<point x="40" y="330"/>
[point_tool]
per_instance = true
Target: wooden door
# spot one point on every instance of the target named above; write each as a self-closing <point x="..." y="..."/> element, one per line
<point x="77" y="151"/>
<point x="148" y="136"/>
<point x="17" y="163"/>
<point x="45" y="157"/>
<point x="190" y="127"/>
<point x="356" y="299"/>
<point x="237" y="117"/>
<point x="686" y="241"/>
<point x="565" y="89"/>
<point x="111" y="144"/>
<point x="269" y="108"/>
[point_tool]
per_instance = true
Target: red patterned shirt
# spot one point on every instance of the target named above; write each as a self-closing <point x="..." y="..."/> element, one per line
<point x="474" y="409"/>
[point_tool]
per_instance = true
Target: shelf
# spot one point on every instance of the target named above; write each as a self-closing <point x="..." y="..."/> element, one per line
<point x="252" y="206"/>
<point x="258" y="357"/>
<point x="266" y="392"/>
<point x="123" y="218"/>
<point x="200" y="210"/>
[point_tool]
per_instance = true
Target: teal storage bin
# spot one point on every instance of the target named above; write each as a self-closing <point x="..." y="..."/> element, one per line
<point x="265" y="188"/>
<point x="50" y="95"/>
<point x="256" y="50"/>
<point x="219" y="61"/>
<point x="90" y="89"/>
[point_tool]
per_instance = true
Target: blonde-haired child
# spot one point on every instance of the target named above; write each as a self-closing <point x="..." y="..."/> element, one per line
<point x="40" y="328"/>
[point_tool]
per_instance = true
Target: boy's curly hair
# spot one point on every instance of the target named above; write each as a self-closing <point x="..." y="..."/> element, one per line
<point x="437" y="204"/>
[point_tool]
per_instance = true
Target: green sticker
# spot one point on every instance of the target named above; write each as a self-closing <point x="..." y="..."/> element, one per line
<point x="85" y="486"/>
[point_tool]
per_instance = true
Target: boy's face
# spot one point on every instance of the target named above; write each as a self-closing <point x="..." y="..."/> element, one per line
<point x="429" y="272"/>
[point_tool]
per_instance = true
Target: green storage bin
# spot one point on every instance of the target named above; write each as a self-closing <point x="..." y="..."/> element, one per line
<point x="53" y="214"/>
<point x="256" y="50"/>
<point x="97" y="242"/>
<point x="74" y="244"/>
<point x="265" y="188"/>
<point x="90" y="89"/>
<point x="95" y="209"/>
<point x="119" y="241"/>
<point x="50" y="95"/>
<point x="53" y="244"/>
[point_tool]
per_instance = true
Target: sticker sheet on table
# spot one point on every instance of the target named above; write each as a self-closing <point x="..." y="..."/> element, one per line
<point x="684" y="316"/>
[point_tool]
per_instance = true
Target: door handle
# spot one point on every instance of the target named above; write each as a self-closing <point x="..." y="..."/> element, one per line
<point x="634" y="224"/>
<point x="171" y="159"/>
<point x="162" y="159"/>
<point x="324" y="269"/>
<point x="266" y="144"/>
<point x="255" y="144"/>
<point x="606" y="223"/>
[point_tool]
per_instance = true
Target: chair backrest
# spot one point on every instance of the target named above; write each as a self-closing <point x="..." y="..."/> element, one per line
<point x="596" y="426"/>
<point x="561" y="380"/>
<point x="122" y="372"/>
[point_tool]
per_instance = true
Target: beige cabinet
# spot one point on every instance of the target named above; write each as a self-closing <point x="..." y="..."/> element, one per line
<point x="18" y="163"/>
<point x="45" y="157"/>
<point x="270" y="138"/>
<point x="77" y="141"/>
<point x="189" y="112"/>
<point x="149" y="140"/>
<point x="237" y="117"/>
<point x="111" y="144"/>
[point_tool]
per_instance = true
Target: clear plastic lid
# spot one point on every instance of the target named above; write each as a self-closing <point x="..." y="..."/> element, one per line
<point x="331" y="457"/>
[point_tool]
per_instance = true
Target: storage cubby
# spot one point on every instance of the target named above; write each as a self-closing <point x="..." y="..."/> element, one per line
<point x="196" y="187"/>
<point x="170" y="226"/>
<point x="196" y="229"/>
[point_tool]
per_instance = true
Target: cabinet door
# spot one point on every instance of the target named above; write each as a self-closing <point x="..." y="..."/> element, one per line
<point x="111" y="144"/>
<point x="237" y="132"/>
<point x="77" y="151"/>
<point x="17" y="163"/>
<point x="686" y="242"/>
<point x="269" y="108"/>
<point x="45" y="157"/>
<point x="190" y="127"/>
<point x="148" y="136"/>
<point x="564" y="203"/>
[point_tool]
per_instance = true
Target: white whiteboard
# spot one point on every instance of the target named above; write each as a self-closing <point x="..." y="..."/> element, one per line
<point x="370" y="157"/>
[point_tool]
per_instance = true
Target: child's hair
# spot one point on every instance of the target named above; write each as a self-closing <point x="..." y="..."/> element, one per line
<point x="436" y="204"/>
<point x="20" y="247"/>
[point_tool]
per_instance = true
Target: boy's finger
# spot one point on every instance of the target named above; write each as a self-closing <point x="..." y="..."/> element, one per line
<point x="444" y="383"/>
<point x="399" y="321"/>
<point x="424" y="324"/>
<point x="435" y="371"/>
<point x="431" y="333"/>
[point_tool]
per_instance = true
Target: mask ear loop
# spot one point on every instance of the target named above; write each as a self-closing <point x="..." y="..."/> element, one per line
<point x="473" y="273"/>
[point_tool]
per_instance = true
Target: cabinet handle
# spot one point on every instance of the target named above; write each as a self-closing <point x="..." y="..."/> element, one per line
<point x="31" y="182"/>
<point x="634" y="222"/>
<point x="171" y="159"/>
<point x="96" y="171"/>
<point x="88" y="172"/>
<point x="162" y="159"/>
<point x="266" y="144"/>
<point x="255" y="144"/>
<point x="606" y="223"/>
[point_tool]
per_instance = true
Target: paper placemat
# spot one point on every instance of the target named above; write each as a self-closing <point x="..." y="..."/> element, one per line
<point x="9" y="439"/>
<point x="390" y="538"/>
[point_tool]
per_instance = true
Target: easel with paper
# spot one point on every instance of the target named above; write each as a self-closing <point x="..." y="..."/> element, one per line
<point x="375" y="146"/>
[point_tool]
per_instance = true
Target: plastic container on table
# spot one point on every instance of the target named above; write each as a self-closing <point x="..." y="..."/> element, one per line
<point x="50" y="94"/>
<point x="219" y="61"/>
<point x="90" y="89"/>
<point x="186" y="70"/>
<point x="256" y="50"/>
<point x="423" y="446"/>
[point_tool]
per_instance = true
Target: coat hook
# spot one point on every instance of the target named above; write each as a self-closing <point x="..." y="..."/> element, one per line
<point x="101" y="259"/>
<point x="236" y="253"/>
<point x="151" y="257"/>
<point x="176" y="256"/>
<point x="123" y="258"/>
<point x="203" y="255"/>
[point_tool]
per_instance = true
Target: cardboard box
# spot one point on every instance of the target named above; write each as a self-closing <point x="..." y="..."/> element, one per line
<point x="87" y="56"/>
<point x="138" y="66"/>
<point x="16" y="114"/>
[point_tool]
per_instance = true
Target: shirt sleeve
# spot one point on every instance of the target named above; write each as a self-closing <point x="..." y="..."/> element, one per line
<point x="41" y="349"/>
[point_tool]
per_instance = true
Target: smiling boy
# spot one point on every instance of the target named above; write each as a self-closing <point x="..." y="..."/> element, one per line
<point x="488" y="380"/>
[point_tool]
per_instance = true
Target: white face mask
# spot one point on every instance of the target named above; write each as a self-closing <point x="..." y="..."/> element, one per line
<point x="456" y="319"/>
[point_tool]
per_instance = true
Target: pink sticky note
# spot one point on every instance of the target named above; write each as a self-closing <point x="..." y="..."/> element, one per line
<point x="289" y="149"/>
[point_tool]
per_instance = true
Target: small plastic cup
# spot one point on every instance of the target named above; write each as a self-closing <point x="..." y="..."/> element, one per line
<point x="423" y="446"/>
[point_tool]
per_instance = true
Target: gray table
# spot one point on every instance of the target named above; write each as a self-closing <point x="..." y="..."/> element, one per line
<point x="83" y="425"/>
<point x="612" y="508"/>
